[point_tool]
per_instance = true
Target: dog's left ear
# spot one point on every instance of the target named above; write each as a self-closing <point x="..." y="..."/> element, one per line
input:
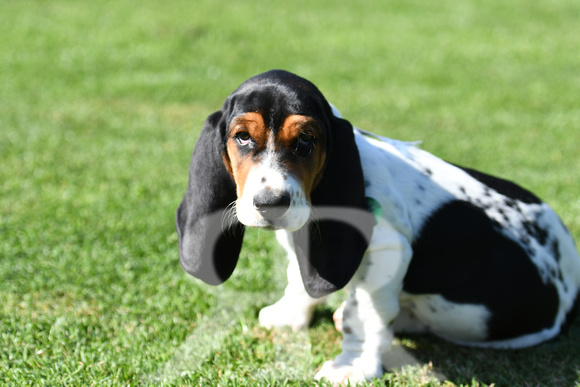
<point x="210" y="238"/>
<point x="330" y="247"/>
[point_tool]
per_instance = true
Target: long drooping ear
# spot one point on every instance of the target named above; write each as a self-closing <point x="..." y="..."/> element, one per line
<point x="331" y="249"/>
<point x="210" y="238"/>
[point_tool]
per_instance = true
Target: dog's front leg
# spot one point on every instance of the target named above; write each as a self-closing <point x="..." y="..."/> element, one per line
<point x="372" y="305"/>
<point x="365" y="336"/>
<point x="296" y="307"/>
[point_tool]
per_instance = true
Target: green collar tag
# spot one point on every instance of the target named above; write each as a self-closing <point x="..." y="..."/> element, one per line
<point x="375" y="208"/>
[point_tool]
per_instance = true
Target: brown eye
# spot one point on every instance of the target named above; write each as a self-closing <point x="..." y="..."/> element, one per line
<point x="306" y="138"/>
<point x="243" y="138"/>
<point x="305" y="144"/>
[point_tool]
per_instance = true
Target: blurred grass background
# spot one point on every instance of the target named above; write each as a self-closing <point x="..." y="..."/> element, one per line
<point x="100" y="106"/>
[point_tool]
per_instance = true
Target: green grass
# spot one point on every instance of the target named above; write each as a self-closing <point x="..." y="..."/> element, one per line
<point x="101" y="103"/>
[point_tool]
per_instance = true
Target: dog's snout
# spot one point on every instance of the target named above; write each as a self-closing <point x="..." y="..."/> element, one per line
<point x="271" y="204"/>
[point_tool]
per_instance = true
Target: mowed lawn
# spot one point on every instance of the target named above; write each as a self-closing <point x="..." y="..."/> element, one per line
<point x="101" y="103"/>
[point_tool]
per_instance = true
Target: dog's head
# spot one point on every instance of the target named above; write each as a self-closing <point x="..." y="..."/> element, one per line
<point x="271" y="158"/>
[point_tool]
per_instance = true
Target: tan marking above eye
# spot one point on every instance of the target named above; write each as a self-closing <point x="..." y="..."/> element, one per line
<point x="238" y="164"/>
<point x="251" y="123"/>
<point x="307" y="169"/>
<point x="294" y="126"/>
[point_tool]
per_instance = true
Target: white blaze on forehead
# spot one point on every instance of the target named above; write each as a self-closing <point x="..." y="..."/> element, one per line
<point x="273" y="174"/>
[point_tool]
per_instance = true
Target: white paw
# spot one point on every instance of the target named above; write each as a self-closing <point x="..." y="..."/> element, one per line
<point x="282" y="314"/>
<point x="338" y="374"/>
<point x="337" y="317"/>
<point x="344" y="369"/>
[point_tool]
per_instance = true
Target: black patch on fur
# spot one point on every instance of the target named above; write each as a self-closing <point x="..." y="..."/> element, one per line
<point x="555" y="247"/>
<point x="503" y="214"/>
<point x="535" y="231"/>
<point x="462" y="255"/>
<point x="504" y="187"/>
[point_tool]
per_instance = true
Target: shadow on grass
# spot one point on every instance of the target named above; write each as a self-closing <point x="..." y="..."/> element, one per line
<point x="322" y="315"/>
<point x="554" y="363"/>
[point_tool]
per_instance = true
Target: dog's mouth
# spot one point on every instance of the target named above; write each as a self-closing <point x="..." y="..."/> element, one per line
<point x="270" y="224"/>
<point x="271" y="227"/>
<point x="273" y="224"/>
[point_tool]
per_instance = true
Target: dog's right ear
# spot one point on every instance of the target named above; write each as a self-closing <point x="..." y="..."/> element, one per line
<point x="210" y="237"/>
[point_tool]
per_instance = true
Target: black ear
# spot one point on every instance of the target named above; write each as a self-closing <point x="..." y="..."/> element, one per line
<point x="210" y="238"/>
<point x="330" y="248"/>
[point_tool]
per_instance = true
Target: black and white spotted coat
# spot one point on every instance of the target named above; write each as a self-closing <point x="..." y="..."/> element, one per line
<point x="471" y="258"/>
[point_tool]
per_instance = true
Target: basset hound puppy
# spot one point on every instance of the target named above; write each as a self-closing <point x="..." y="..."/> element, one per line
<point x="423" y="245"/>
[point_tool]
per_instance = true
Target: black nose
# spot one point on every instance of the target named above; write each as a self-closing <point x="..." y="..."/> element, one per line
<point x="270" y="204"/>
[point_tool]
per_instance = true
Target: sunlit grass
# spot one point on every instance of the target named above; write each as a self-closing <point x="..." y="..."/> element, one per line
<point x="101" y="103"/>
